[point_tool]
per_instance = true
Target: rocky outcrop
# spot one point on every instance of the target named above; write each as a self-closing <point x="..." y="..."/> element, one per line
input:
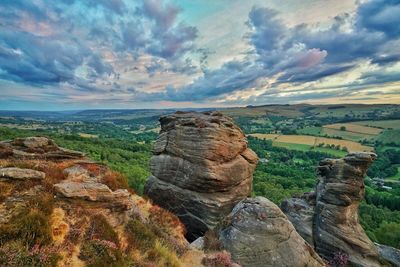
<point x="200" y="169"/>
<point x="64" y="211"/>
<point x="36" y="148"/>
<point x="21" y="174"/>
<point x="257" y="233"/>
<point x="328" y="218"/>
<point x="300" y="211"/>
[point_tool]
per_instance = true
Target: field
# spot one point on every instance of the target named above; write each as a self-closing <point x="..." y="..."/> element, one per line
<point x="86" y="135"/>
<point x="390" y="137"/>
<point x="354" y="128"/>
<point x="314" y="141"/>
<point x="385" y="124"/>
<point x="302" y="147"/>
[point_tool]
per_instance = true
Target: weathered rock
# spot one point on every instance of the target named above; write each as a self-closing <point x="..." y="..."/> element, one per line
<point x="336" y="224"/>
<point x="300" y="211"/>
<point x="200" y="169"/>
<point x="36" y="148"/>
<point x="21" y="174"/>
<point x="198" y="243"/>
<point x="35" y="142"/>
<point x="328" y="218"/>
<point x="389" y="254"/>
<point x="257" y="233"/>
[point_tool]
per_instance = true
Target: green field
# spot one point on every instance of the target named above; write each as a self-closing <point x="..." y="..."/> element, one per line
<point x="386" y="124"/>
<point x="390" y="136"/>
<point x="311" y="130"/>
<point x="302" y="147"/>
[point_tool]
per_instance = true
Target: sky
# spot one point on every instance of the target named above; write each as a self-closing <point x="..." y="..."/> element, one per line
<point x="84" y="54"/>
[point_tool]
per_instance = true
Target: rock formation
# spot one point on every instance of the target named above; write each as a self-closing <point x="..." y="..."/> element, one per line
<point x="36" y="148"/>
<point x="257" y="233"/>
<point x="58" y="208"/>
<point x="328" y="218"/>
<point x="21" y="174"/>
<point x="200" y="169"/>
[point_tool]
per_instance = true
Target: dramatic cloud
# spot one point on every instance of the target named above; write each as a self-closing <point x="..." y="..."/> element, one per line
<point x="148" y="51"/>
<point x="305" y="53"/>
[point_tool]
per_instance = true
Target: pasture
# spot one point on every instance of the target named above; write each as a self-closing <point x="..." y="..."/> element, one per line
<point x="314" y="141"/>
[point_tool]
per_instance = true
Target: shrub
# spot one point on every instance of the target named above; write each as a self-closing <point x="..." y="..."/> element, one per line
<point x="30" y="224"/>
<point x="5" y="190"/>
<point x="16" y="254"/>
<point x="220" y="259"/>
<point x="339" y="259"/>
<point x="99" y="228"/>
<point x="98" y="253"/>
<point x="33" y="228"/>
<point x="93" y="168"/>
<point x="139" y="235"/>
<point x="163" y="256"/>
<point x="166" y="221"/>
<point x="211" y="241"/>
<point x="115" y="180"/>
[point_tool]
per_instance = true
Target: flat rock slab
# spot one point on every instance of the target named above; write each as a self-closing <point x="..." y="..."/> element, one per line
<point x="21" y="174"/>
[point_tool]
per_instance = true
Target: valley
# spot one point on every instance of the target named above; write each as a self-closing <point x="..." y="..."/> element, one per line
<point x="290" y="140"/>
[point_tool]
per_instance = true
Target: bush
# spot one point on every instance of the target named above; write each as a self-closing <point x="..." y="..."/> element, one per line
<point x="99" y="228"/>
<point x="211" y="241"/>
<point x="163" y="256"/>
<point x="139" y="235"/>
<point x="30" y="224"/>
<point x="115" y="180"/>
<point x="98" y="253"/>
<point x="220" y="259"/>
<point x="339" y="259"/>
<point x="16" y="254"/>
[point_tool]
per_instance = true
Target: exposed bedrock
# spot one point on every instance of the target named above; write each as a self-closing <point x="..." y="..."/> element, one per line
<point x="201" y="168"/>
<point x="257" y="234"/>
<point x="328" y="219"/>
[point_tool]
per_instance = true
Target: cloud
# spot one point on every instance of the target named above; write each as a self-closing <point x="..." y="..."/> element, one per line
<point x="304" y="53"/>
<point x="144" y="51"/>
<point x="47" y="43"/>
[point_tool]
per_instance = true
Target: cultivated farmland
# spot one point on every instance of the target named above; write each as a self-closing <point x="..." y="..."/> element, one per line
<point x="314" y="141"/>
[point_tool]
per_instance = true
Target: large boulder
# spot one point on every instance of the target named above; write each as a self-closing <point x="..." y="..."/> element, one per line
<point x="200" y="169"/>
<point x="328" y="219"/>
<point x="257" y="233"/>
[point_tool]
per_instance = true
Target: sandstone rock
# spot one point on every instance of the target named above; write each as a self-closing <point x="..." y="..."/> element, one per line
<point x="200" y="169"/>
<point x="35" y="142"/>
<point x="36" y="148"/>
<point x="257" y="233"/>
<point x="328" y="218"/>
<point x="389" y="254"/>
<point x="336" y="224"/>
<point x="21" y="174"/>
<point x="301" y="213"/>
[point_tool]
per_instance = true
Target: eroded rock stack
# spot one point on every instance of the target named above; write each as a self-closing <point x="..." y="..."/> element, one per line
<point x="257" y="233"/>
<point x="200" y="169"/>
<point x="328" y="218"/>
